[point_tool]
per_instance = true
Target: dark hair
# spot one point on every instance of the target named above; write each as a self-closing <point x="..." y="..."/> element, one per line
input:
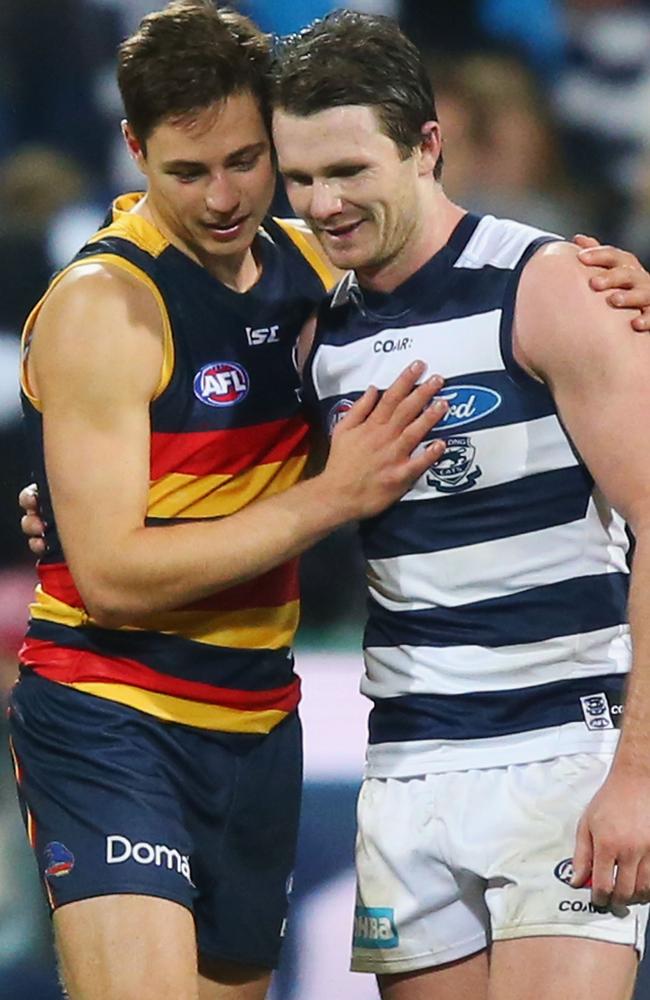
<point x="186" y="56"/>
<point x="352" y="58"/>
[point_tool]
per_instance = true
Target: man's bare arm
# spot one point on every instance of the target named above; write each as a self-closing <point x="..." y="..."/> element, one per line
<point x="95" y="364"/>
<point x="598" y="370"/>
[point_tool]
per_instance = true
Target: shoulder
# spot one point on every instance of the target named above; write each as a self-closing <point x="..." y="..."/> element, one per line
<point x="90" y="289"/>
<point x="560" y="322"/>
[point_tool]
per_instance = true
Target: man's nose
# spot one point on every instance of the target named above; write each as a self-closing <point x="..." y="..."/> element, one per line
<point x="325" y="200"/>
<point x="222" y="195"/>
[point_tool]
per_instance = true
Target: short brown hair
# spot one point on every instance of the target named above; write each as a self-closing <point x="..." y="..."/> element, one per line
<point x="352" y="58"/>
<point x="186" y="56"/>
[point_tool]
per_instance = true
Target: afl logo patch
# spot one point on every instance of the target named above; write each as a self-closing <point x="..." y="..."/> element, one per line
<point x="337" y="413"/>
<point x="221" y="383"/>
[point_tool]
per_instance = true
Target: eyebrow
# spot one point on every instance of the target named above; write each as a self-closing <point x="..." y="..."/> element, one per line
<point x="254" y="147"/>
<point x="331" y="170"/>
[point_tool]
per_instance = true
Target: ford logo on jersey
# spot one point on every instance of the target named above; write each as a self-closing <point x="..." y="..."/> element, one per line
<point x="221" y="383"/>
<point x="467" y="403"/>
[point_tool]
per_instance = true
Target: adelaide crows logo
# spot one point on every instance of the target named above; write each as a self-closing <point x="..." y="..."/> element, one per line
<point x="58" y="860"/>
<point x="456" y="471"/>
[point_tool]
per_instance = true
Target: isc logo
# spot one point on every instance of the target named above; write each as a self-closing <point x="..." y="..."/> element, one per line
<point x="263" y="335"/>
<point x="221" y="383"/>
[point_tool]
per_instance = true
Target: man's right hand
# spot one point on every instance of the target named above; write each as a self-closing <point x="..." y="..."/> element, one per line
<point x="32" y="525"/>
<point x="375" y="456"/>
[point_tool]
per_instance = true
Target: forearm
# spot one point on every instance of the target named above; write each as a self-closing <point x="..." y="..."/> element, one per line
<point x="634" y="747"/>
<point x="154" y="569"/>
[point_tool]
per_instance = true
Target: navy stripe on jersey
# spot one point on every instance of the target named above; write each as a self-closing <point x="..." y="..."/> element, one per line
<point x="582" y="604"/>
<point x="508" y="315"/>
<point x="245" y="670"/>
<point x="481" y="715"/>
<point x="514" y="408"/>
<point x="467" y="519"/>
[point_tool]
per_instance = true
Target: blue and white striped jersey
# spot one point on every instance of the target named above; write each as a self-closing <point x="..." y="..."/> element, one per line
<point x="497" y="628"/>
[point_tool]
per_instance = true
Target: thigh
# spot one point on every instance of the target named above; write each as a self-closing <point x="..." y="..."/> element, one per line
<point x="102" y="815"/>
<point x="232" y="981"/>
<point x="538" y="807"/>
<point x="562" y="967"/>
<point x="245" y="875"/>
<point x="413" y="910"/>
<point x="127" y="948"/>
<point x="466" y="979"/>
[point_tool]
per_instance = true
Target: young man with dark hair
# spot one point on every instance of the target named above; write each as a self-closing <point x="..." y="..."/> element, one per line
<point x="504" y="821"/>
<point x="154" y="726"/>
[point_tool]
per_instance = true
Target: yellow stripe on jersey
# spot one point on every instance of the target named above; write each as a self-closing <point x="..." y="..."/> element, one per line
<point x="132" y="226"/>
<point x="318" y="261"/>
<point x="114" y="261"/>
<point x="181" y="495"/>
<point x="50" y="609"/>
<point x="189" y="713"/>
<point x="255" y="628"/>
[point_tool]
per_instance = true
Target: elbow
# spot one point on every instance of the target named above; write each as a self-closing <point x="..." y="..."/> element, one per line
<point x="108" y="605"/>
<point x="105" y="610"/>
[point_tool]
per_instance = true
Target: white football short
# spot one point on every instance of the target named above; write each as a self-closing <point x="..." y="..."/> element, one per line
<point x="448" y="863"/>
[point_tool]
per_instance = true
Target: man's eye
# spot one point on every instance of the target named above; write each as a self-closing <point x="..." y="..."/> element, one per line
<point x="301" y="179"/>
<point x="186" y="178"/>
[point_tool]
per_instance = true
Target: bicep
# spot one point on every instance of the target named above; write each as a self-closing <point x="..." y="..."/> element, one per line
<point x="96" y="358"/>
<point x="598" y="371"/>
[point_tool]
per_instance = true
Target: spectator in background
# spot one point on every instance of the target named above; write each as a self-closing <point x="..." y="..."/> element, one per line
<point x="502" y="153"/>
<point x="594" y="56"/>
<point x="55" y="53"/>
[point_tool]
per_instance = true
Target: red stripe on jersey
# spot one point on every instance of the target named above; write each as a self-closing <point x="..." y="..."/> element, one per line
<point x="56" y="580"/>
<point x="203" y="453"/>
<point x="73" y="666"/>
<point x="275" y="588"/>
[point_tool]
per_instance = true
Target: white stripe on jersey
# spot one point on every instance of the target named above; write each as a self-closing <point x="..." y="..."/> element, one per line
<point x="355" y="366"/>
<point x="498" y="568"/>
<point x="498" y="243"/>
<point x="536" y="446"/>
<point x="395" y="671"/>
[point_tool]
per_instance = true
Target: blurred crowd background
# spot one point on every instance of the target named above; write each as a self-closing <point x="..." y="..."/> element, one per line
<point x="545" y="110"/>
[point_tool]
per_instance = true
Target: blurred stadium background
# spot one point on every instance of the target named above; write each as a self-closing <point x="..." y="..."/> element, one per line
<point x="545" y="108"/>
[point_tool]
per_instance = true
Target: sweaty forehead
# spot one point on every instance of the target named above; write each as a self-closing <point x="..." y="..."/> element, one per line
<point x="218" y="128"/>
<point x="333" y="134"/>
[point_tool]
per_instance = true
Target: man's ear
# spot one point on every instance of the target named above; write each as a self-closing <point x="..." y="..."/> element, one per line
<point x="136" y="151"/>
<point x="430" y="146"/>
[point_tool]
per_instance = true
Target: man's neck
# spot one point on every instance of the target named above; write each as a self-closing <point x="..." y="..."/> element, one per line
<point x="237" y="271"/>
<point x="436" y="222"/>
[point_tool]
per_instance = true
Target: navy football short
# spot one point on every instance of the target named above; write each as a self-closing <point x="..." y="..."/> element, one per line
<point x="116" y="801"/>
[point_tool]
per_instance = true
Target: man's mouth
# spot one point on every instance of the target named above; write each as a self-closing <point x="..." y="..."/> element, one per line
<point x="342" y="230"/>
<point x="226" y="230"/>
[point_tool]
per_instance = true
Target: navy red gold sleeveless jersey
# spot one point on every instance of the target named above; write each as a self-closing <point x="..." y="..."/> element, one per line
<point x="226" y="429"/>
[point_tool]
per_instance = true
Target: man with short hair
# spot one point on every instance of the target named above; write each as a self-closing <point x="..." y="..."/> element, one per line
<point x="504" y="843"/>
<point x="154" y="727"/>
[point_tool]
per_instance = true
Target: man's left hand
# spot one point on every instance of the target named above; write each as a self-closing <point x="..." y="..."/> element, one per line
<point x="613" y="843"/>
<point x="621" y="274"/>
